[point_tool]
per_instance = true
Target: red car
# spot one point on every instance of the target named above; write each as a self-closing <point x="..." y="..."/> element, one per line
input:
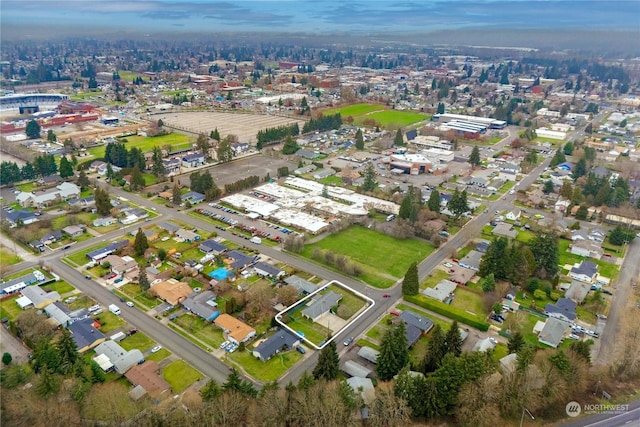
<point x="394" y="313"/>
<point x="386" y="295"/>
<point x="454" y="260"/>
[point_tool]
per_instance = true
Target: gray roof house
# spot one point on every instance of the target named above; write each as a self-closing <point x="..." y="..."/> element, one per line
<point x="505" y="229"/>
<point x="584" y="272"/>
<point x="320" y="306"/>
<point x="59" y="313"/>
<point x="369" y="354"/>
<point x="240" y="260"/>
<point x="121" y="359"/>
<point x="303" y="286"/>
<point x="441" y="291"/>
<point x="484" y="345"/>
<point x="471" y="261"/>
<point x="20" y="282"/>
<point x="282" y="339"/>
<point x="577" y="291"/>
<point x="563" y="309"/>
<point x="354" y="369"/>
<point x="193" y="197"/>
<point x="167" y="226"/>
<point x="267" y="270"/>
<point x="213" y="247"/>
<point x="202" y="304"/>
<point x="39" y="297"/>
<point x="553" y="332"/>
<point x="416" y="325"/>
<point x="85" y="335"/>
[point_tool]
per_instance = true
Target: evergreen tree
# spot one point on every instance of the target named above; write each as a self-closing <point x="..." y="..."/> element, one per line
<point x="580" y="169"/>
<point x="359" y="140"/>
<point x="568" y="147"/>
<point x="582" y="212"/>
<point x="143" y="279"/>
<point x="545" y="248"/>
<point x="548" y="187"/>
<point x="398" y="140"/>
<point x="394" y="352"/>
<point x="327" y="367"/>
<point x="474" y="158"/>
<point x="458" y="203"/>
<point x="290" y="146"/>
<point x="140" y="244"/>
<point x="515" y="343"/>
<point x="157" y="166"/>
<point x="97" y="374"/>
<point x="27" y="171"/>
<point x="436" y="350"/>
<point x="215" y="135"/>
<point x="33" y="129"/>
<point x="411" y="282"/>
<point x="68" y="352"/>
<point x="6" y="358"/>
<point x="370" y="182"/>
<point x="489" y="283"/>
<point x="137" y="180"/>
<point x="235" y="383"/>
<point x="102" y="201"/>
<point x="210" y="391"/>
<point x="558" y="158"/>
<point x="83" y="181"/>
<point x="48" y="384"/>
<point x="176" y="195"/>
<point x="66" y="168"/>
<point x="224" y="151"/>
<point x="453" y="340"/>
<point x="434" y="201"/>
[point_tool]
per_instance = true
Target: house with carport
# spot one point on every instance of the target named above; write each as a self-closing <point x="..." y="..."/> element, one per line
<point x="38" y="297"/>
<point x="121" y="359"/>
<point x="321" y="305"/>
<point x="235" y="330"/>
<point x="283" y="339"/>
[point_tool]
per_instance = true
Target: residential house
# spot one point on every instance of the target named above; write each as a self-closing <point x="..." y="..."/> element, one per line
<point x="171" y="165"/>
<point x="187" y="235"/>
<point x="354" y="369"/>
<point x="321" y="304"/>
<point x="369" y="354"/>
<point x="307" y="154"/>
<point x="281" y="340"/>
<point x="121" y="265"/>
<point x="104" y="222"/>
<point x="74" y="230"/>
<point x="482" y="246"/>
<point x="514" y="215"/>
<point x="577" y="291"/>
<point x="193" y="160"/>
<point x="212" y="247"/>
<point x="147" y="375"/>
<point x="507" y="175"/>
<point x="238" y="259"/>
<point x="584" y="272"/>
<point x="366" y="389"/>
<point x="303" y="286"/>
<point x="508" y="363"/>
<point x="416" y="325"/>
<point x="58" y="314"/>
<point x="50" y="180"/>
<point x="85" y="334"/>
<point x="505" y="229"/>
<point x="193" y="197"/>
<point x="202" y="305"/>
<point x="133" y="215"/>
<point x="64" y="191"/>
<point x="485" y="344"/>
<point x="564" y="309"/>
<point x="471" y="260"/>
<point x="441" y="291"/>
<point x="171" y="291"/>
<point x="553" y="332"/>
<point x="167" y="226"/>
<point x="239" y="148"/>
<point x="236" y="330"/>
<point x="536" y="198"/>
<point x="267" y="270"/>
<point x="121" y="359"/>
<point x="17" y="217"/>
<point x="461" y="275"/>
<point x="96" y="165"/>
<point x="21" y="282"/>
<point x="39" y="297"/>
<point x="562" y="205"/>
<point x="587" y="248"/>
<point x="99" y="254"/>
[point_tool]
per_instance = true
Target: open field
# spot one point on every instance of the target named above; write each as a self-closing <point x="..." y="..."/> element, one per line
<point x="393" y="119"/>
<point x="180" y="375"/>
<point x="386" y="259"/>
<point x="201" y="329"/>
<point x="60" y="287"/>
<point x="355" y="110"/>
<point x="244" y="126"/>
<point x="9" y="308"/>
<point x="137" y="340"/>
<point x="146" y="143"/>
<point x="8" y="257"/>
<point x="270" y="370"/>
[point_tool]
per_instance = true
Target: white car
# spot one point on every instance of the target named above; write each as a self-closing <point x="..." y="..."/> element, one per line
<point x="156" y="349"/>
<point x="130" y="304"/>
<point x="448" y="265"/>
<point x="574" y="337"/>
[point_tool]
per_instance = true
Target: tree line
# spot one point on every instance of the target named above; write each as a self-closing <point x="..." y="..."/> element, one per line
<point x="43" y="165"/>
<point x="118" y="155"/>
<point x="266" y="136"/>
<point x="323" y="123"/>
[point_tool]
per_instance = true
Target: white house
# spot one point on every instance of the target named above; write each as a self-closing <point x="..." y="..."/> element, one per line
<point x="514" y="215"/>
<point x="584" y="272"/>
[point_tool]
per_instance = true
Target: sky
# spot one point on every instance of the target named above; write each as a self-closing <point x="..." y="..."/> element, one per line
<point x="320" y="16"/>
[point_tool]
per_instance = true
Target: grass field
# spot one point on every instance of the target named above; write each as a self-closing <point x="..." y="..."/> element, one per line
<point x="351" y="302"/>
<point x="109" y="321"/>
<point x="60" y="287"/>
<point x="393" y="119"/>
<point x="80" y="258"/>
<point x="133" y="291"/>
<point x="469" y="302"/>
<point x="137" y="340"/>
<point x="159" y="355"/>
<point x="8" y="257"/>
<point x="355" y="110"/>
<point x="9" y="308"/>
<point x="434" y="277"/>
<point x="314" y="332"/>
<point x="180" y="375"/>
<point x="270" y="370"/>
<point x="385" y="260"/>
<point x="201" y="329"/>
<point x="146" y="143"/>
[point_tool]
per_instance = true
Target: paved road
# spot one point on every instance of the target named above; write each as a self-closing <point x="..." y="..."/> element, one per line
<point x="630" y="270"/>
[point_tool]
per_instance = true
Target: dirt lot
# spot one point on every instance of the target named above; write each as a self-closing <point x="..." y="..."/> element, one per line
<point x="244" y="126"/>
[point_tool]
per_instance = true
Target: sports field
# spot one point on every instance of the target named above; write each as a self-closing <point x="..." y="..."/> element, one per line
<point x="382" y="114"/>
<point x="146" y="143"/>
<point x="384" y="259"/>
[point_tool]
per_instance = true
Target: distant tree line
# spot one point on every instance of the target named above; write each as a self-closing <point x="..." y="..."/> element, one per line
<point x="323" y="123"/>
<point x="266" y="136"/>
<point x="241" y="184"/>
<point x="43" y="165"/>
<point x="118" y="155"/>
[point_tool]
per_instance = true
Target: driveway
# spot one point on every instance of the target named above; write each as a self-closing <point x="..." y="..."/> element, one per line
<point x="13" y="346"/>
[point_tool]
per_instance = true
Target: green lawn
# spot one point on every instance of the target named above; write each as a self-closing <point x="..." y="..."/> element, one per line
<point x="109" y="321"/>
<point x="133" y="291"/>
<point x="9" y="308"/>
<point x="159" y="355"/>
<point x="433" y="278"/>
<point x="331" y="180"/>
<point x="270" y="370"/>
<point x="355" y="110"/>
<point x="393" y="118"/>
<point x="137" y="340"/>
<point x="312" y="331"/>
<point x="60" y="287"/>
<point x="525" y="236"/>
<point x="180" y="375"/>
<point x="27" y="187"/>
<point x="385" y="260"/>
<point x="366" y="343"/>
<point x="146" y="143"/>
<point x="201" y="329"/>
<point x="349" y="301"/>
<point x="80" y="258"/>
<point x="468" y="301"/>
<point x="8" y="257"/>
<point x="499" y="352"/>
<point x="444" y="324"/>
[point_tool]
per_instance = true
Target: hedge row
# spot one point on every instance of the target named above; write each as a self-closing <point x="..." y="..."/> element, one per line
<point x="446" y="310"/>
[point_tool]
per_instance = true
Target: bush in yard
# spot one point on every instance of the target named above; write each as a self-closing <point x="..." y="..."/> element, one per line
<point x="6" y="358"/>
<point x="448" y="311"/>
<point x="539" y="294"/>
<point x="555" y="295"/>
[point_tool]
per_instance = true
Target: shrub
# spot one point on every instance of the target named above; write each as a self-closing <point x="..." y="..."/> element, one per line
<point x="448" y="311"/>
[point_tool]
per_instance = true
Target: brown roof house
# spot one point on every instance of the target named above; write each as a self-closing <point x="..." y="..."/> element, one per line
<point x="148" y="376"/>
<point x="236" y="330"/>
<point x="171" y="291"/>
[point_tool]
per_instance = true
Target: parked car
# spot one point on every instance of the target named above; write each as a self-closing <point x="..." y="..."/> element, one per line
<point x="156" y="349"/>
<point x="574" y="337"/>
<point x="348" y="341"/>
<point x="397" y="313"/>
<point x="448" y="265"/>
<point x="601" y="316"/>
<point x="224" y="344"/>
<point x="301" y="349"/>
<point x="607" y="291"/>
<point x="386" y="295"/>
<point x="130" y="304"/>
